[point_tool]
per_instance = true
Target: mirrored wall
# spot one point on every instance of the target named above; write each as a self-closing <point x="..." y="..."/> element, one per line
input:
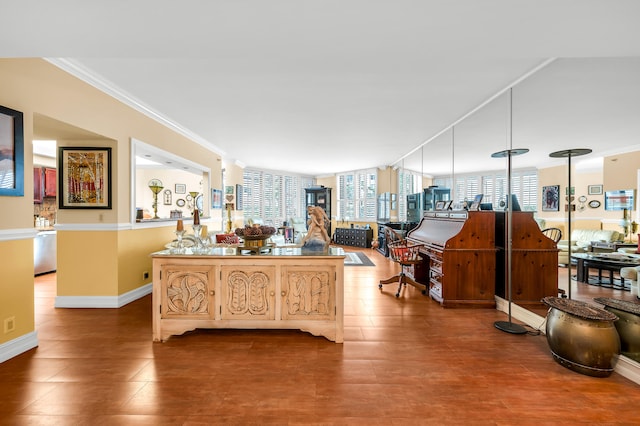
<point x="567" y="104"/>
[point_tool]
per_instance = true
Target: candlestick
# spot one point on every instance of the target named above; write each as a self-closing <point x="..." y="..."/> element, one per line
<point x="180" y="225"/>
<point x="196" y="217"/>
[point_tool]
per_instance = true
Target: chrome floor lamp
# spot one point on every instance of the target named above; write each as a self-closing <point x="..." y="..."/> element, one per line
<point x="568" y="154"/>
<point x="509" y="326"/>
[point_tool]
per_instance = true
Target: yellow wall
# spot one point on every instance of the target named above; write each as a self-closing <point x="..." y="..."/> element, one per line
<point x="133" y="255"/>
<point x="102" y="255"/>
<point x="16" y="287"/>
<point x="86" y="263"/>
<point x="618" y="172"/>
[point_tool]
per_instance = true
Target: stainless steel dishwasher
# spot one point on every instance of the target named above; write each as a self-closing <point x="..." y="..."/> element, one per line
<point x="44" y="252"/>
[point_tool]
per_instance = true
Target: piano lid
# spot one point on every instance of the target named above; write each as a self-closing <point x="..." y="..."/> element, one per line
<point x="438" y="227"/>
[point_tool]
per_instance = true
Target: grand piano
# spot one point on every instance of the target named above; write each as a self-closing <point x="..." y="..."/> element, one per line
<point x="464" y="258"/>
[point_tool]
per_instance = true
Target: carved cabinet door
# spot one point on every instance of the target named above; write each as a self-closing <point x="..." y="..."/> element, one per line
<point x="248" y="292"/>
<point x="308" y="293"/>
<point x="188" y="291"/>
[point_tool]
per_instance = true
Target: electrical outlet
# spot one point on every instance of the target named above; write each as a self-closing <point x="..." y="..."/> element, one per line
<point x="145" y="275"/>
<point x="9" y="324"/>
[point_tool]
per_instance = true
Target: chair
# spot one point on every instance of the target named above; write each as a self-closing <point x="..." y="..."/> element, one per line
<point x="554" y="234"/>
<point x="299" y="226"/>
<point x="405" y="254"/>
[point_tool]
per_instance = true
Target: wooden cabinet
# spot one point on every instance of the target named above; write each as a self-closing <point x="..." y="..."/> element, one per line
<point x="354" y="237"/>
<point x="252" y="292"/>
<point x="321" y="197"/>
<point x="465" y="253"/>
<point x="534" y="261"/>
<point x="44" y="183"/>
<point x="460" y="254"/>
<point x="38" y="190"/>
<point x="50" y="182"/>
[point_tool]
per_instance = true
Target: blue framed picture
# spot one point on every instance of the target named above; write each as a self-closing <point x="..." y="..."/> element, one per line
<point x="11" y="152"/>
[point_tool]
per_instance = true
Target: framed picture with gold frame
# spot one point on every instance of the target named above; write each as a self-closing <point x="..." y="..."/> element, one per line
<point x="84" y="177"/>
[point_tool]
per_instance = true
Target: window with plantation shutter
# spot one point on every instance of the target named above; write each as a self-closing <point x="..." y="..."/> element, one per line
<point x="356" y="195"/>
<point x="409" y="182"/>
<point x="493" y="186"/>
<point x="274" y="197"/>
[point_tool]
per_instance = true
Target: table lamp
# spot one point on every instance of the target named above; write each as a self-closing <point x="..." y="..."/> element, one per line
<point x="155" y="185"/>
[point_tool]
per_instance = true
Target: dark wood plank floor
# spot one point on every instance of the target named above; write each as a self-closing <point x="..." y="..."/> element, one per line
<point x="405" y="361"/>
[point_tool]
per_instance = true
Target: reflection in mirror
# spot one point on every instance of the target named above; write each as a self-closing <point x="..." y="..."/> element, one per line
<point x="476" y="139"/>
<point x="582" y="103"/>
<point x="179" y="178"/>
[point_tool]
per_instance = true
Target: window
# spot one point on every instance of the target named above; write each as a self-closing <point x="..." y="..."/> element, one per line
<point x="356" y="195"/>
<point x="408" y="183"/>
<point x="274" y="197"/>
<point x="493" y="186"/>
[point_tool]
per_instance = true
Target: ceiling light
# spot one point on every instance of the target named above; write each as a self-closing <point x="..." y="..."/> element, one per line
<point x="144" y="162"/>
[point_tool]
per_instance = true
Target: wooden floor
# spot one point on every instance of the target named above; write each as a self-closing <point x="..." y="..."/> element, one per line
<point x="405" y="361"/>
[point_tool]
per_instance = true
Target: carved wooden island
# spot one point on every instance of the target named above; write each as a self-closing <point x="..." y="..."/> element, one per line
<point x="281" y="289"/>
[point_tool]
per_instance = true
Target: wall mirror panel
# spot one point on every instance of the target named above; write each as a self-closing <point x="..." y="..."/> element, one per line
<point x="568" y="104"/>
<point x="180" y="179"/>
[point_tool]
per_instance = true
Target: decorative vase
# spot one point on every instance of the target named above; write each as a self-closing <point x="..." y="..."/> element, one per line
<point x="581" y="337"/>
<point x="628" y="325"/>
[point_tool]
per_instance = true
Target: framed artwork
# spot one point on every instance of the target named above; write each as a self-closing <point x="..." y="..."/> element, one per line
<point x="228" y="189"/>
<point x="475" y="205"/>
<point x="216" y="198"/>
<point x="84" y="178"/>
<point x="439" y="205"/>
<point x="180" y="188"/>
<point x="551" y="198"/>
<point x="573" y="190"/>
<point x="238" y="197"/>
<point x="11" y="152"/>
<point x="167" y="197"/>
<point x="594" y="189"/>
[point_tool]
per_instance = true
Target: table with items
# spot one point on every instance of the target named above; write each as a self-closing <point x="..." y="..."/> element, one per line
<point x="609" y="262"/>
<point x="229" y="287"/>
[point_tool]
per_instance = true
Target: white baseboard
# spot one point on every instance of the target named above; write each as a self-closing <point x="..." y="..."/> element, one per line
<point x="103" y="301"/>
<point x="18" y="345"/>
<point x="622" y="365"/>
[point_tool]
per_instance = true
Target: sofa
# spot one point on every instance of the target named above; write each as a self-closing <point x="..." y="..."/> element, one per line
<point x="581" y="241"/>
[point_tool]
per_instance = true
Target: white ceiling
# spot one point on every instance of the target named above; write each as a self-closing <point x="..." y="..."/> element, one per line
<point x="319" y="87"/>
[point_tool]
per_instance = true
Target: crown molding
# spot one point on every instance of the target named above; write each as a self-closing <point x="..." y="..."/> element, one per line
<point x="102" y="84"/>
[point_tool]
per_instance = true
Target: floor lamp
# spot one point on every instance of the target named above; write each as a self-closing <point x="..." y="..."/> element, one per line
<point x="509" y="326"/>
<point x="568" y="154"/>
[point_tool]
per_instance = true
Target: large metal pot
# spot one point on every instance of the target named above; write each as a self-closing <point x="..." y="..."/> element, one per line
<point x="628" y="325"/>
<point x="582" y="337"/>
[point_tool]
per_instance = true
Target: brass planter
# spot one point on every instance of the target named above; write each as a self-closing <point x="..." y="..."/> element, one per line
<point x="582" y="337"/>
<point x="628" y="325"/>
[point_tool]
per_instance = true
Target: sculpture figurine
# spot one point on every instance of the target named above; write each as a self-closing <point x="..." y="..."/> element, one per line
<point x="317" y="238"/>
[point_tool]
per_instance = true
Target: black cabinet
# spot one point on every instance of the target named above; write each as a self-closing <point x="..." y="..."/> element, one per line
<point x="401" y="228"/>
<point x="321" y="197"/>
<point x="356" y="237"/>
<point x="431" y="196"/>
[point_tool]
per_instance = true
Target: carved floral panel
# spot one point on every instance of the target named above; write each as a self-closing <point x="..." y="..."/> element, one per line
<point x="248" y="293"/>
<point x="188" y="291"/>
<point x="308" y="293"/>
